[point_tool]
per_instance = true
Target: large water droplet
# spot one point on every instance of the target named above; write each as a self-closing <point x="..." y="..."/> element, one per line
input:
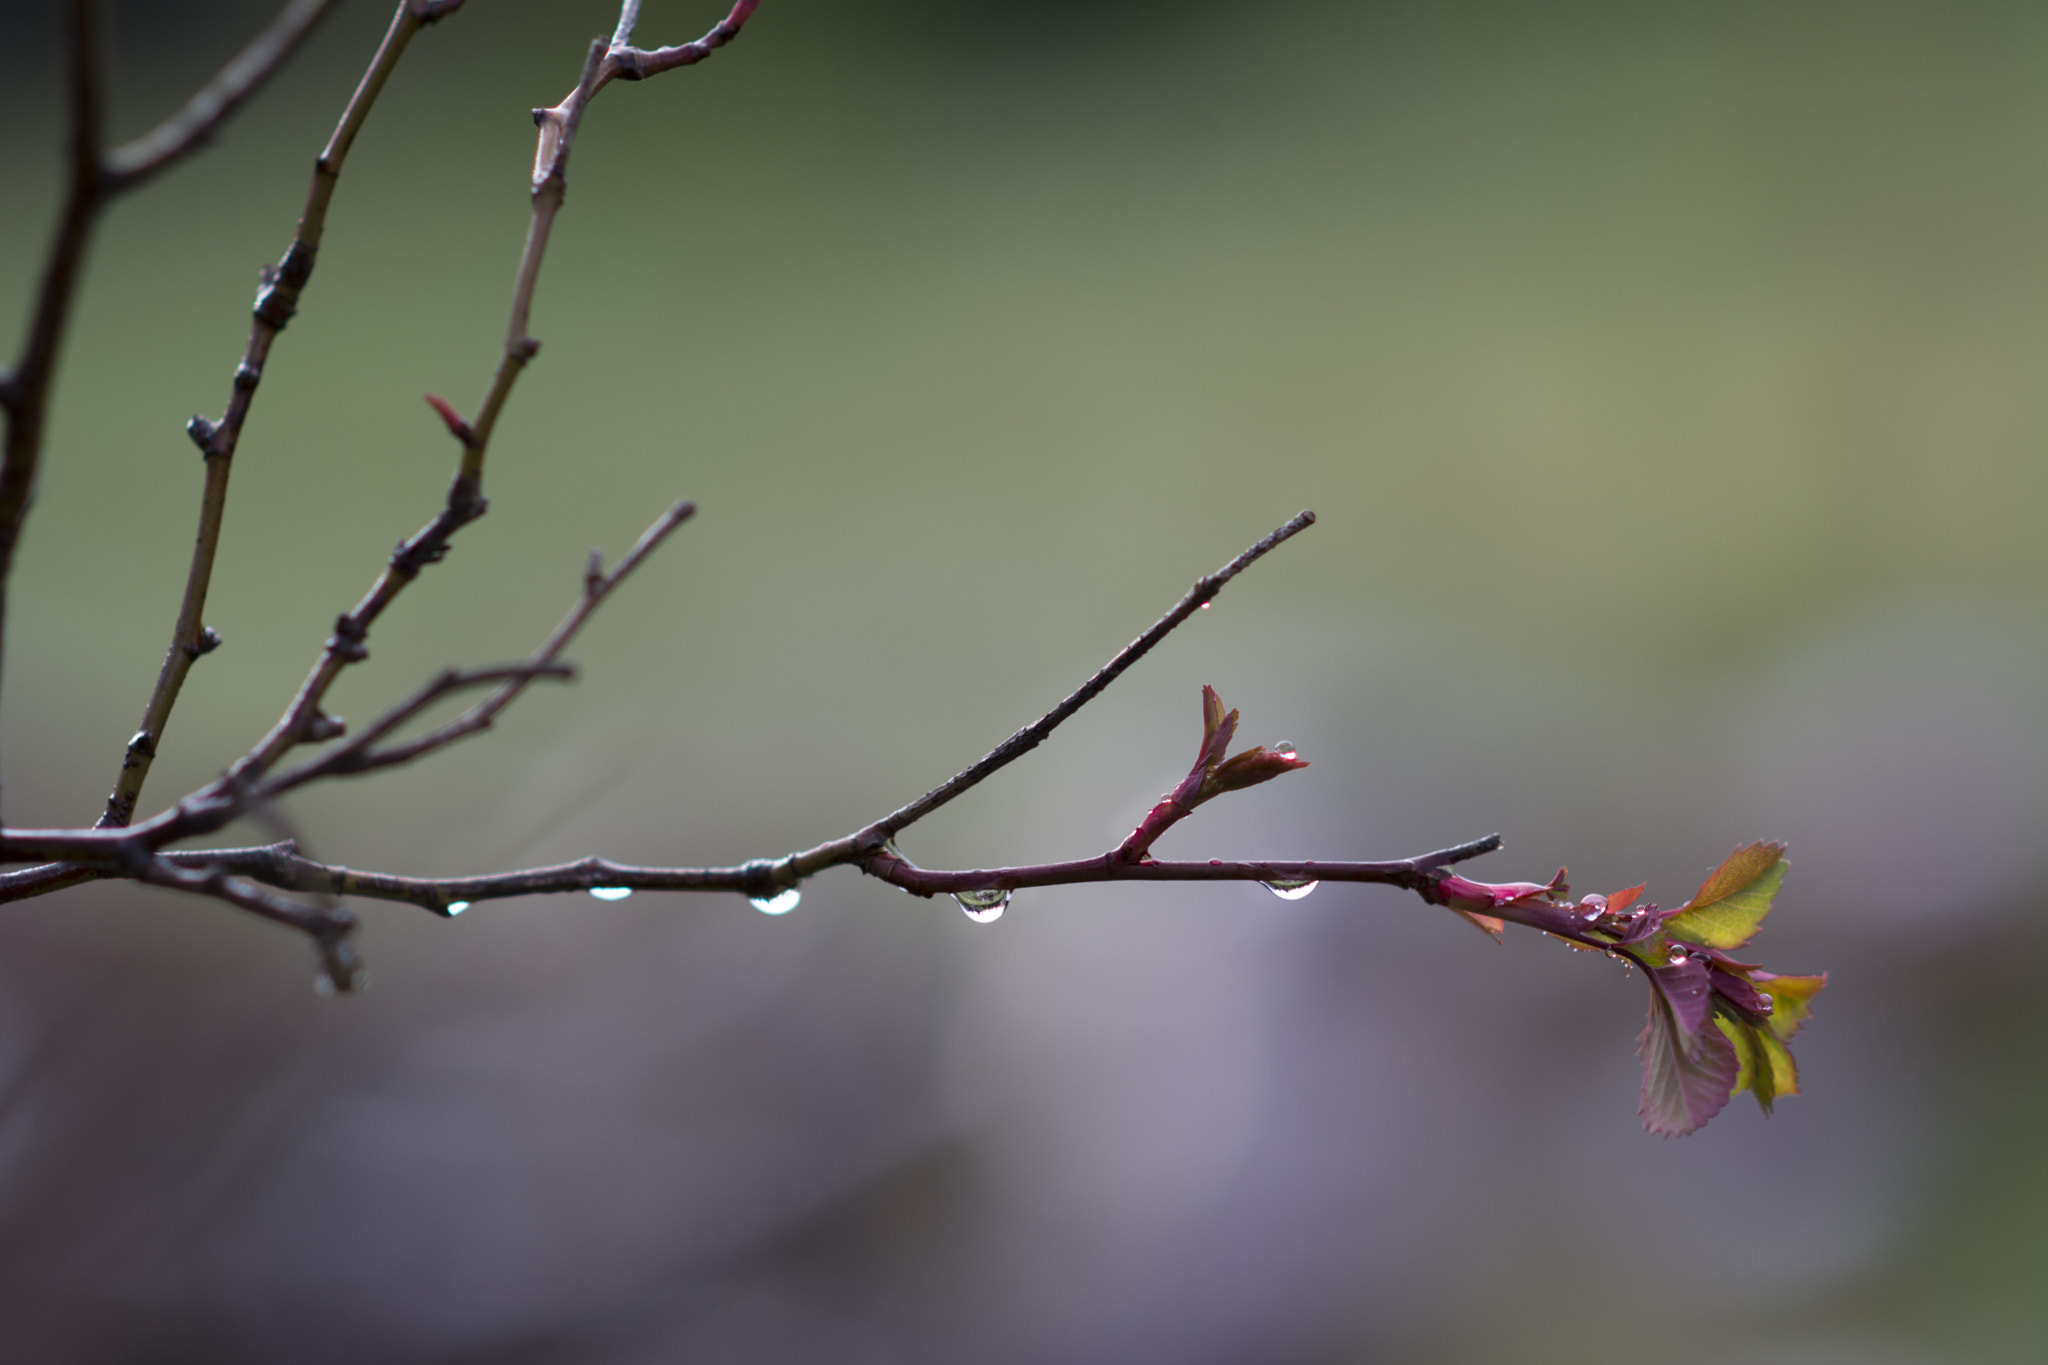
<point x="1678" y="955"/>
<point x="611" y="893"/>
<point x="781" y="903"/>
<point x="1285" y="748"/>
<point x="1291" y="890"/>
<point x="457" y="907"/>
<point x="984" y="907"/>
<point x="1764" y="1003"/>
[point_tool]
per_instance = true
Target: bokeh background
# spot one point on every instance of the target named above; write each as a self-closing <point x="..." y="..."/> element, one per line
<point x="1669" y="383"/>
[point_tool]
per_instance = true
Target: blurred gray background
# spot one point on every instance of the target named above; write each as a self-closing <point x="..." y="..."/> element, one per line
<point x="1668" y="381"/>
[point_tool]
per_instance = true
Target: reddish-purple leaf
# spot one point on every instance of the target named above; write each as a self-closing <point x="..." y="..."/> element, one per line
<point x="1687" y="988"/>
<point x="1686" y="1081"/>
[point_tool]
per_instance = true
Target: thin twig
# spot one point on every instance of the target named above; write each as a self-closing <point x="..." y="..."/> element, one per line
<point x="597" y="586"/>
<point x="129" y="164"/>
<point x="633" y="64"/>
<point x="361" y="755"/>
<point x="466" y="502"/>
<point x="276" y="303"/>
<point x="328" y="928"/>
<point x="1025" y="740"/>
<point x="27" y="390"/>
<point x="216" y="805"/>
<point x="601" y="63"/>
<point x="106" y="850"/>
<point x="282" y="865"/>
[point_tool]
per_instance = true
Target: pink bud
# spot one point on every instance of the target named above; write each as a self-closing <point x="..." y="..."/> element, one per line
<point x="1462" y="893"/>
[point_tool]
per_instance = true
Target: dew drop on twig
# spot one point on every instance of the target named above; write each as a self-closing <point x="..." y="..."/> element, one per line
<point x="984" y="907"/>
<point x="1291" y="890"/>
<point x="611" y="893"/>
<point x="457" y="907"/>
<point x="781" y="903"/>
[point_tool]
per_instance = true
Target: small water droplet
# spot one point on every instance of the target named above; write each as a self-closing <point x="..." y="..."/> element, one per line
<point x="1290" y="891"/>
<point x="984" y="907"/>
<point x="1678" y="955"/>
<point x="611" y="893"/>
<point x="1285" y="748"/>
<point x="781" y="903"/>
<point x="457" y="907"/>
<point x="1215" y="862"/>
<point x="1764" y="1003"/>
<point x="1205" y="606"/>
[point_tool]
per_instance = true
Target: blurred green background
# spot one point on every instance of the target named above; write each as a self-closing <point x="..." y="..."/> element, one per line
<point x="1668" y="382"/>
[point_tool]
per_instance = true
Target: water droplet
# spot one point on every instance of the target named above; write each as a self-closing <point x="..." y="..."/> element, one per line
<point x="1285" y="748"/>
<point x="984" y="907"/>
<point x="457" y="907"/>
<point x="781" y="903"/>
<point x="1205" y="606"/>
<point x="1764" y="1003"/>
<point x="1291" y="891"/>
<point x="611" y="893"/>
<point x="1215" y="862"/>
<point x="1592" y="907"/>
<point x="1678" y="955"/>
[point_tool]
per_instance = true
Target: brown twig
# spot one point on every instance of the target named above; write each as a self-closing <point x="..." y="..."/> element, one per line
<point x="106" y="851"/>
<point x="243" y="877"/>
<point x="25" y="388"/>
<point x="328" y="928"/>
<point x="276" y="302"/>
<point x="361" y="755"/>
<point x="870" y="838"/>
<point x="597" y="585"/>
<point x="134" y="161"/>
<point x="282" y="865"/>
<point x="465" y="502"/>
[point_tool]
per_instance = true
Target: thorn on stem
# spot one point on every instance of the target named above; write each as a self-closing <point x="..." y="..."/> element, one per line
<point x="458" y="425"/>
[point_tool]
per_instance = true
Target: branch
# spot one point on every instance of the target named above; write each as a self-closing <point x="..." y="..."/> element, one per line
<point x="601" y="63"/>
<point x="129" y="164"/>
<point x="872" y="837"/>
<point x="466" y="502"/>
<point x="216" y="805"/>
<point x="282" y="865"/>
<point x="632" y="64"/>
<point x="328" y="928"/>
<point x="276" y="302"/>
<point x="25" y="394"/>
<point x="360" y="755"/>
<point x="113" y="851"/>
<point x="597" y="585"/>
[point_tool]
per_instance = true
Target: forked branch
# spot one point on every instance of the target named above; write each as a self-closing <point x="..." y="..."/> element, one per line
<point x="1717" y="1025"/>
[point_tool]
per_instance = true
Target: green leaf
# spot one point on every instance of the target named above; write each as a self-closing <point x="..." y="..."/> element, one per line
<point x="1791" y="1000"/>
<point x="1767" y="1070"/>
<point x="1728" y="908"/>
